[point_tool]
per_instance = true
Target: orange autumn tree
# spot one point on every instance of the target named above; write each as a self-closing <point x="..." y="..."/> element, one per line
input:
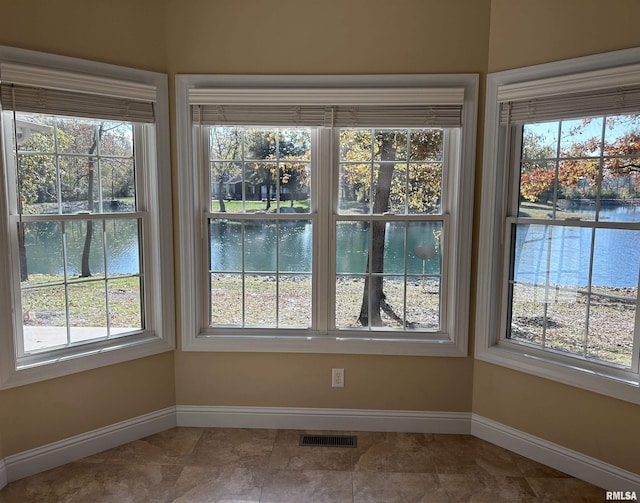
<point x="578" y="164"/>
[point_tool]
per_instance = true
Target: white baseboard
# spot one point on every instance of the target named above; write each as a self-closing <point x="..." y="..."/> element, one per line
<point x="3" y="473"/>
<point x="578" y="465"/>
<point x="71" y="449"/>
<point x="566" y="460"/>
<point x="324" y="419"/>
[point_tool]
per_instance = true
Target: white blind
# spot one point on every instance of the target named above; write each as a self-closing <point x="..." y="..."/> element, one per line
<point x="54" y="102"/>
<point x="588" y="94"/>
<point x="329" y="107"/>
<point x="48" y="91"/>
<point x="341" y="116"/>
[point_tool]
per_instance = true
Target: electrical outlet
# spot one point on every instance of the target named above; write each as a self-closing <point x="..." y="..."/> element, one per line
<point x="337" y="378"/>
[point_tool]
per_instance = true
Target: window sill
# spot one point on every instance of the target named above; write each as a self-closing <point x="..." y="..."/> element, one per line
<point x="318" y="343"/>
<point x="598" y="381"/>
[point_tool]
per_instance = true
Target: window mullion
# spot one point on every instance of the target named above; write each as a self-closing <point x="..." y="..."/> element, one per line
<point x="324" y="199"/>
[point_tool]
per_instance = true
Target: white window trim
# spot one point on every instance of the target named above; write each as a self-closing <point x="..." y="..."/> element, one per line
<point x="581" y="74"/>
<point x="93" y="77"/>
<point x="375" y="86"/>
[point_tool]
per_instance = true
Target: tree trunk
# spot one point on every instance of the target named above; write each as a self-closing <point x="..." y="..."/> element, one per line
<point x="85" y="271"/>
<point x="223" y="208"/>
<point x="268" y="188"/>
<point x="373" y="299"/>
<point x="22" y="252"/>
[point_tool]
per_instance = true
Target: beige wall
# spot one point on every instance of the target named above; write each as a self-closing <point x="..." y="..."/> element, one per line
<point x="121" y="32"/>
<point x="525" y="33"/>
<point x="592" y="424"/>
<point x="48" y="411"/>
<point x="330" y="36"/>
<point x="528" y="33"/>
<point x="304" y="380"/>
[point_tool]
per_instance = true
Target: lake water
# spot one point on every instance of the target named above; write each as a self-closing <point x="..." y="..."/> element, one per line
<point x="565" y="261"/>
<point x="295" y="247"/>
<point x="561" y="255"/>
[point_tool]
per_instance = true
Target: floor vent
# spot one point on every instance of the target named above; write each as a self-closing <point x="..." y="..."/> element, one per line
<point x="329" y="440"/>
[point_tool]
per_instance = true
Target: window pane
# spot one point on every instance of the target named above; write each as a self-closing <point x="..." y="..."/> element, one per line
<point x="87" y="310"/>
<point x="620" y="190"/>
<point x="116" y="139"/>
<point x="260" y="144"/>
<point x="393" y="308"/>
<point x="226" y="245"/>
<point x="540" y="141"/>
<point x="616" y="259"/>
<point x="225" y="143"/>
<point x="399" y="190"/>
<point x="295" y="245"/>
<point x="537" y="189"/>
<point x="84" y="246"/>
<point x="260" y="245"/>
<point x="44" y="317"/>
<point x="79" y="183"/>
<point x="390" y="145"/>
<point x="294" y="144"/>
<point x="348" y="301"/>
<point x="355" y="188"/>
<point x="77" y="136"/>
<point x="125" y="305"/>
<point x="226" y="299"/>
<point x="376" y="177"/>
<point x="38" y="183"/>
<point x="260" y="301"/>
<point x="423" y="302"/>
<point x="117" y="185"/>
<point x="352" y="247"/>
<point x="581" y="138"/>
<point x="226" y="187"/>
<point x="270" y="170"/>
<point x="552" y="255"/>
<point x="424" y="189"/>
<point x="355" y="145"/>
<point x="43" y="257"/>
<point x="254" y="247"/>
<point x="123" y="246"/>
<point x="611" y="326"/>
<point x="294" y="301"/>
<point x="73" y="165"/>
<point x="399" y="249"/>
<point x="572" y="297"/>
<point x="294" y="185"/>
<point x="425" y="248"/>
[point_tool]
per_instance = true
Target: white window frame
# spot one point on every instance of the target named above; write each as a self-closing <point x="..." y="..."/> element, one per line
<point x="159" y="335"/>
<point x="318" y="90"/>
<point x="609" y="70"/>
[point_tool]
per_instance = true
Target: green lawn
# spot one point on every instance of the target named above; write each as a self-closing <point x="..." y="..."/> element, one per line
<point x="301" y="206"/>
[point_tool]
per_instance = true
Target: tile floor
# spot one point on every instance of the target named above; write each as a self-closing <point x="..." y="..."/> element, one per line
<point x="253" y="465"/>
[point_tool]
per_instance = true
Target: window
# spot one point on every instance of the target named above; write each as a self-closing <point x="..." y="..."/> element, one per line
<point x="83" y="180"/>
<point x="563" y="158"/>
<point x="329" y="214"/>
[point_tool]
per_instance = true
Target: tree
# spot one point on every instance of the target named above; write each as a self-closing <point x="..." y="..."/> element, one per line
<point x="225" y="144"/>
<point x="272" y="158"/>
<point x="416" y="188"/>
<point x="373" y="295"/>
<point x="579" y="162"/>
<point x="85" y="270"/>
<point x="57" y="170"/>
